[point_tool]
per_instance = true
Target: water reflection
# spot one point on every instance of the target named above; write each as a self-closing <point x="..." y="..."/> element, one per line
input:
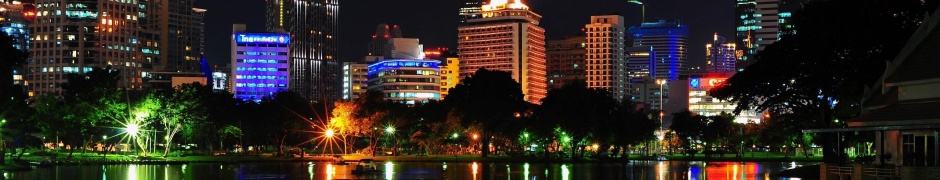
<point x="637" y="170"/>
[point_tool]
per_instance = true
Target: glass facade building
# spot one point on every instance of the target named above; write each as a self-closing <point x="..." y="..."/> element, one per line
<point x="259" y="64"/>
<point x="313" y="25"/>
<point x="669" y="40"/>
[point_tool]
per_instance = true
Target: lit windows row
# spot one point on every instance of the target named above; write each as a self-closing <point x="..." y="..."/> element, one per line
<point x="271" y="69"/>
<point x="261" y="53"/>
<point x="262" y="85"/>
<point x="261" y="61"/>
<point x="412" y="95"/>
<point x="259" y="77"/>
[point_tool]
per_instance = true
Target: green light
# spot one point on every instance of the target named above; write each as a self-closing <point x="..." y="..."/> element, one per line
<point x="390" y="129"/>
<point x="455" y="135"/>
<point x="566" y="139"/>
<point x="104" y="137"/>
<point x="526" y="135"/>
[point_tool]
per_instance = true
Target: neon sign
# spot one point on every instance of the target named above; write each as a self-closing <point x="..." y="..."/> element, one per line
<point x="262" y="38"/>
<point x="376" y="67"/>
<point x="707" y="83"/>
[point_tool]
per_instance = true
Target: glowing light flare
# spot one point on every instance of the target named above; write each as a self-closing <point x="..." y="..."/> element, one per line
<point x="476" y="136"/>
<point x="330" y="171"/>
<point x="131" y="129"/>
<point x="329" y="133"/>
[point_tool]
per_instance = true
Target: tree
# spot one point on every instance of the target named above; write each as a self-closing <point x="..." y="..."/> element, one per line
<point x="818" y="70"/>
<point x="688" y="126"/>
<point x="580" y="111"/>
<point x="489" y="99"/>
<point x="179" y="109"/>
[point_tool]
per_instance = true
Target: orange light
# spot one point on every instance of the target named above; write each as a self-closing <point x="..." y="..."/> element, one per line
<point x="475" y="136"/>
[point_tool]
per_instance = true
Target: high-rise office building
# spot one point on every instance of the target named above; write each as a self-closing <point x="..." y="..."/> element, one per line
<point x="505" y="36"/>
<point x="315" y="72"/>
<point x="669" y="40"/>
<point x="259" y="63"/>
<point x="135" y="37"/>
<point x="720" y="55"/>
<point x="606" y="59"/>
<point x="565" y="60"/>
<point x="177" y="26"/>
<point x="760" y="23"/>
<point x="383" y="34"/>
<point x="15" y="17"/>
<point x="73" y="36"/>
<point x="470" y="9"/>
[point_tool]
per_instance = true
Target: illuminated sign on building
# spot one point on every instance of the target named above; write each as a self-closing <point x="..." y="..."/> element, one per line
<point x="262" y="38"/>
<point x="706" y="83"/>
<point x="376" y="67"/>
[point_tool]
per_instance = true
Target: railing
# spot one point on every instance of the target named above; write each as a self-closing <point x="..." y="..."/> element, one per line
<point x="882" y="173"/>
<point x="841" y="171"/>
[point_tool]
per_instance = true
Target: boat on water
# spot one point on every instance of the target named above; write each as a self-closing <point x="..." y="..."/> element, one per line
<point x="366" y="166"/>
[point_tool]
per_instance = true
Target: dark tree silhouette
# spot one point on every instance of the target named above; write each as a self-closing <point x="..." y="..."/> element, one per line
<point x="488" y="99"/>
<point x="818" y="71"/>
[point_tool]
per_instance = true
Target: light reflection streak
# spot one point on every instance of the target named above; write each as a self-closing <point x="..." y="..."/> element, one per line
<point x="475" y="167"/>
<point x="132" y="172"/>
<point x="661" y="170"/>
<point x="564" y="172"/>
<point x="310" y="169"/>
<point x="389" y="170"/>
<point x="508" y="173"/>
<point x="329" y="171"/>
<point x="525" y="172"/>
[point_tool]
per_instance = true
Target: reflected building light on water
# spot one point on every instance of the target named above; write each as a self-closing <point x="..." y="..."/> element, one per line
<point x="445" y="166"/>
<point x="564" y="172"/>
<point x="508" y="172"/>
<point x="104" y="172"/>
<point x="389" y="171"/>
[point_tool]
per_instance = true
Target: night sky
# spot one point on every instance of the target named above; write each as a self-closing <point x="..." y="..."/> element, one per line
<point x="434" y="22"/>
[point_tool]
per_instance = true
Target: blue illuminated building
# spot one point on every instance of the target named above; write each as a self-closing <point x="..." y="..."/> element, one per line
<point x="669" y="41"/>
<point x="259" y="64"/>
<point x="407" y="81"/>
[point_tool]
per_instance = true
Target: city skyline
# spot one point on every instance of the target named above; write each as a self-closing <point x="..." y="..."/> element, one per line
<point x="562" y="18"/>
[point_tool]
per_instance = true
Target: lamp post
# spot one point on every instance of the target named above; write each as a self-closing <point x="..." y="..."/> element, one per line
<point x="643" y="9"/>
<point x="662" y="114"/>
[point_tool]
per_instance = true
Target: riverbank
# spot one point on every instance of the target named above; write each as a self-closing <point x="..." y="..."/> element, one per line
<point x="103" y="159"/>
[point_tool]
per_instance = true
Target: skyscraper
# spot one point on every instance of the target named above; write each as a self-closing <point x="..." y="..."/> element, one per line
<point x="669" y="40"/>
<point x="73" y="36"/>
<point x="759" y="23"/>
<point x="565" y="60"/>
<point x="721" y="56"/>
<point x="312" y="24"/>
<point x="470" y="9"/>
<point x="606" y="59"/>
<point x="506" y="37"/>
<point x="179" y="27"/>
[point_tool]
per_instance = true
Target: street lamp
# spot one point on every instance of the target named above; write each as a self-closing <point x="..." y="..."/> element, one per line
<point x="662" y="114"/>
<point x="328" y="133"/>
<point x="643" y="6"/>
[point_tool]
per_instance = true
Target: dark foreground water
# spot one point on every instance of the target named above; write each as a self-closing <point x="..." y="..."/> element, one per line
<point x="420" y="170"/>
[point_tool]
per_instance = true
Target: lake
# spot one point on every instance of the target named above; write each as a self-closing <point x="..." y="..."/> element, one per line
<point x="640" y="170"/>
